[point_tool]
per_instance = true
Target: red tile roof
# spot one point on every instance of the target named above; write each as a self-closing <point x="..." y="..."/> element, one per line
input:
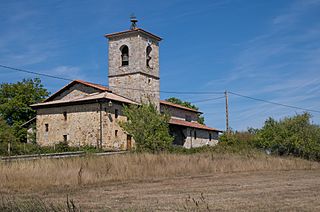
<point x="132" y="31"/>
<point x="93" y="85"/>
<point x="100" y="87"/>
<point x="191" y="124"/>
<point x="90" y="97"/>
<point x="104" y="89"/>
<point x="178" y="106"/>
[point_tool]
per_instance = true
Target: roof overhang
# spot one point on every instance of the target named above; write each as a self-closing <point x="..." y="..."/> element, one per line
<point x="196" y="125"/>
<point x="170" y="104"/>
<point x="90" y="98"/>
<point x="132" y="32"/>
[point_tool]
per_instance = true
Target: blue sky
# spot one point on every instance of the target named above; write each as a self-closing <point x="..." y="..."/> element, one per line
<point x="263" y="49"/>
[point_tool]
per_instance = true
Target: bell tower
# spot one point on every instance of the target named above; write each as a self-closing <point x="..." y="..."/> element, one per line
<point x="134" y="64"/>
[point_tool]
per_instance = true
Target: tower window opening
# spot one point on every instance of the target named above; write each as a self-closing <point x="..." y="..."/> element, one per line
<point x="124" y="55"/>
<point x="148" y="57"/>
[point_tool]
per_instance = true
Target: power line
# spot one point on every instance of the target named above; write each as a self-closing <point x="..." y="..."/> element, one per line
<point x="35" y="73"/>
<point x="206" y="100"/>
<point x="274" y="103"/>
<point x="172" y="92"/>
<point x="66" y="79"/>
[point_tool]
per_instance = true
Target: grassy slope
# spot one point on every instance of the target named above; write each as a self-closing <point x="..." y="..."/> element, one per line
<point x="42" y="174"/>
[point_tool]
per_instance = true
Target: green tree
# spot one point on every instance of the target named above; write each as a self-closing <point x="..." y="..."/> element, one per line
<point x="186" y="104"/>
<point x="149" y="128"/>
<point x="6" y="132"/>
<point x="291" y="136"/>
<point x="15" y="101"/>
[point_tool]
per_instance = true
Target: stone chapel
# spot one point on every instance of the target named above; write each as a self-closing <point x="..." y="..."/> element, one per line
<point x="84" y="113"/>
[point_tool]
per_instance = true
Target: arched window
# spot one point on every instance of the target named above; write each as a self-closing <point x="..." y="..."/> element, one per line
<point x="148" y="57"/>
<point x="124" y="55"/>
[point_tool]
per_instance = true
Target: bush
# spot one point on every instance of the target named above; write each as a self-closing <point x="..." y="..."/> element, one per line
<point x="237" y="142"/>
<point x="291" y="136"/>
<point x="149" y="128"/>
<point x="18" y="148"/>
<point x="62" y="147"/>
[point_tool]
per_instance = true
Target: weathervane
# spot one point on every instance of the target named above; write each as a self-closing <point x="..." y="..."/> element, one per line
<point x="134" y="21"/>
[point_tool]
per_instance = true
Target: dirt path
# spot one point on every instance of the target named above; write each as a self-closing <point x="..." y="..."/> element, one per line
<point x="297" y="190"/>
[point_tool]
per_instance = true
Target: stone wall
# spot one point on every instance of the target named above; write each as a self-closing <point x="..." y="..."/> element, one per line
<point x="82" y="126"/>
<point x="76" y="91"/>
<point x="178" y="113"/>
<point x="202" y="138"/>
<point x="137" y="45"/>
<point x="136" y="80"/>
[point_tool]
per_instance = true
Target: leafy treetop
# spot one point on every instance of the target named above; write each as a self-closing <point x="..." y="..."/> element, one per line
<point x="15" y="101"/>
<point x="6" y="132"/>
<point x="182" y="103"/>
<point x="149" y="128"/>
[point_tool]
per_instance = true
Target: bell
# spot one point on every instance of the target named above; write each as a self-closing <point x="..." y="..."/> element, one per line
<point x="125" y="58"/>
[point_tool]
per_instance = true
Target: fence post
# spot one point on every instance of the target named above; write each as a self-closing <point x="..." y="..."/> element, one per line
<point x="9" y="149"/>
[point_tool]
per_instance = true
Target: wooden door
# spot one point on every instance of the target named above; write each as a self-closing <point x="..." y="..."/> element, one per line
<point x="129" y="142"/>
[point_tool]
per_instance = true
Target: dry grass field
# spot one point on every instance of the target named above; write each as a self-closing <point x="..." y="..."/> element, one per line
<point x="167" y="182"/>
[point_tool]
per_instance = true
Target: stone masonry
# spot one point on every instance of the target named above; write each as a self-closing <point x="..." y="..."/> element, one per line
<point x="178" y="113"/>
<point x="135" y="81"/>
<point x="84" y="113"/>
<point x="82" y="126"/>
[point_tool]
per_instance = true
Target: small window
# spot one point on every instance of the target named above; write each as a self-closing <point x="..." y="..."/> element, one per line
<point x="149" y="81"/>
<point x="210" y="137"/>
<point x="65" y="138"/>
<point x="116" y="113"/>
<point x="195" y="134"/>
<point x="47" y="127"/>
<point x="188" y="118"/>
<point x="190" y="133"/>
<point x="65" y="116"/>
<point x="124" y="55"/>
<point x="148" y="57"/>
<point x="116" y="133"/>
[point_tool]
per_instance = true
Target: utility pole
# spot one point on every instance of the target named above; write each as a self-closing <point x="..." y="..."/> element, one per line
<point x="227" y="112"/>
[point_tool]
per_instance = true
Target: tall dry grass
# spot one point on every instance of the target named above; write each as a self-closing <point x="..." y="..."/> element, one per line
<point x="42" y="174"/>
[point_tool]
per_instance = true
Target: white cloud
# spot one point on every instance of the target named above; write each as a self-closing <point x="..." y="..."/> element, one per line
<point x="69" y="72"/>
<point x="281" y="65"/>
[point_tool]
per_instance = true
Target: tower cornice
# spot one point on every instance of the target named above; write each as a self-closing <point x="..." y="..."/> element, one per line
<point x="132" y="73"/>
<point x="133" y="31"/>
